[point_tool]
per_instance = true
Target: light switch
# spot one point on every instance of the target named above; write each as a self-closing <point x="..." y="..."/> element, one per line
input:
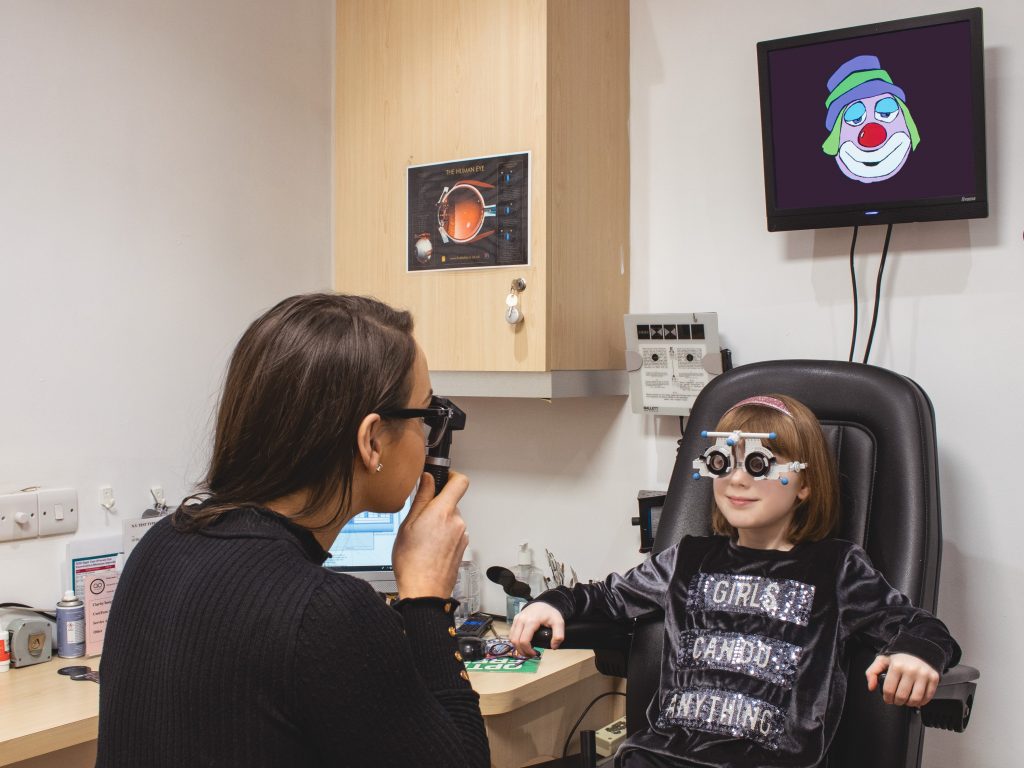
<point x="58" y="511"/>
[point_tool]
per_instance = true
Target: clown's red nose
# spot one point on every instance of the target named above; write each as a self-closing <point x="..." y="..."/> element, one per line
<point x="871" y="135"/>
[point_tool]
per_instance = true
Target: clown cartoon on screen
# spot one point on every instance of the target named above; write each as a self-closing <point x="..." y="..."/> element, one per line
<point x="871" y="132"/>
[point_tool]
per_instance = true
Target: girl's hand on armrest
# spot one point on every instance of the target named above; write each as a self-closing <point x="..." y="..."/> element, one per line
<point x="529" y="620"/>
<point x="909" y="680"/>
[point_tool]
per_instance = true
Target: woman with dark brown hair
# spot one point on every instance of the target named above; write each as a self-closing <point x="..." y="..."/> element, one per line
<point x="228" y="644"/>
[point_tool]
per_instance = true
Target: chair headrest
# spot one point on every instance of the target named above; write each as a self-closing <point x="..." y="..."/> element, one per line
<point x="879" y="426"/>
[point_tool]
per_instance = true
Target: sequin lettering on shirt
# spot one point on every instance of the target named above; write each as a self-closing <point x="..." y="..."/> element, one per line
<point x="724" y="712"/>
<point x="782" y="599"/>
<point x="765" y="658"/>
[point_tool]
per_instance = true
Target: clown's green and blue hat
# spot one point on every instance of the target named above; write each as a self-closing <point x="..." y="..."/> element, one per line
<point x="860" y="78"/>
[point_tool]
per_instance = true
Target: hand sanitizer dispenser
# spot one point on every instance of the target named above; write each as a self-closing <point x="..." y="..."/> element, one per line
<point x="527" y="573"/>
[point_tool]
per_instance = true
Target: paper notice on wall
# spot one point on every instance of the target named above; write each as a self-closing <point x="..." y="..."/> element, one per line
<point x="90" y="556"/>
<point x="99" y="593"/>
<point x="133" y="530"/>
<point x="672" y="374"/>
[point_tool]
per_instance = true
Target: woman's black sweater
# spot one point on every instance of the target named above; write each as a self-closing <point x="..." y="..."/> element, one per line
<point x="233" y="646"/>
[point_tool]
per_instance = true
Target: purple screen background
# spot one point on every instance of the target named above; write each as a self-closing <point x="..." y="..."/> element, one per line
<point x="931" y="64"/>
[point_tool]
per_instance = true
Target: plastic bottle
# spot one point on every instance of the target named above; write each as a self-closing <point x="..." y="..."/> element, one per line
<point x="527" y="572"/>
<point x="530" y="575"/>
<point x="467" y="588"/>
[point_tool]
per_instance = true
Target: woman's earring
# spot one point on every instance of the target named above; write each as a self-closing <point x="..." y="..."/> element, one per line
<point x="380" y="467"/>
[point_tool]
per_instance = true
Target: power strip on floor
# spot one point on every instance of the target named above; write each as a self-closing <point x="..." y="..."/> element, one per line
<point x="607" y="739"/>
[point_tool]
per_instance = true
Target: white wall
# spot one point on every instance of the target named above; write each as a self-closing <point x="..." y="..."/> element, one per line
<point x="165" y="174"/>
<point x="565" y="474"/>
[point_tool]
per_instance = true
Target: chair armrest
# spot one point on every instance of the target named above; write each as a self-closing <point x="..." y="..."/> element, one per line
<point x="610" y="641"/>
<point x="951" y="706"/>
<point x="608" y="635"/>
<point x="955" y="677"/>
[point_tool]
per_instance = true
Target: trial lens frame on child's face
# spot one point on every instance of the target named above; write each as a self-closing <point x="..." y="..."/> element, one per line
<point x="758" y="461"/>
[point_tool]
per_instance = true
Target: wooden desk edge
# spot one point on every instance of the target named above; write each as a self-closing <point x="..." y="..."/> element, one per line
<point x="529" y="688"/>
<point x="519" y="691"/>
<point x="49" y="740"/>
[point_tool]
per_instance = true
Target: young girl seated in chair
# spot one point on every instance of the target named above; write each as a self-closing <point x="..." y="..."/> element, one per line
<point x="758" y="619"/>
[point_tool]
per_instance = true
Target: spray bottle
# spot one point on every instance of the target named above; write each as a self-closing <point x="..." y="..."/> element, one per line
<point x="70" y="627"/>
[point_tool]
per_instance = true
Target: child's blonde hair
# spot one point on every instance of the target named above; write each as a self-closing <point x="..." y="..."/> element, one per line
<point x="798" y="438"/>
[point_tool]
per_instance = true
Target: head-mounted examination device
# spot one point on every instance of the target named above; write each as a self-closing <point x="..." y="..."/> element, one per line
<point x="441" y="418"/>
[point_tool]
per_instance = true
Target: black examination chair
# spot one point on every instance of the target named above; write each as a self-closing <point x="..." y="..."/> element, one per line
<point x="881" y="428"/>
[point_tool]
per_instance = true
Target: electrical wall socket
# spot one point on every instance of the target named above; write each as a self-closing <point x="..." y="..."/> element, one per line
<point x="58" y="511"/>
<point x="19" y="516"/>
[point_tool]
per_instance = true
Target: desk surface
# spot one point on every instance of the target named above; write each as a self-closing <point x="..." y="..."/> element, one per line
<point x="502" y="692"/>
<point x="44" y="711"/>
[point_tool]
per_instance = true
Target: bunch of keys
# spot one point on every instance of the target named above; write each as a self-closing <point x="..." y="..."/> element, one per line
<point x="513" y="314"/>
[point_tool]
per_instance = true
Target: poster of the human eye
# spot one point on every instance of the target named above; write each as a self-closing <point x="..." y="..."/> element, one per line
<point x="469" y="214"/>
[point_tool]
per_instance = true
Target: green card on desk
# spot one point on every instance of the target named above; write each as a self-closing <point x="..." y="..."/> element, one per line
<point x="504" y="664"/>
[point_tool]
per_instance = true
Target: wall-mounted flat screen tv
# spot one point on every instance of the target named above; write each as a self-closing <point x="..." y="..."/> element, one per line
<point x="876" y="124"/>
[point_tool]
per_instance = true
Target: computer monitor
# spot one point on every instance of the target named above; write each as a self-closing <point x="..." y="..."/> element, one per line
<point x="876" y="124"/>
<point x="363" y="548"/>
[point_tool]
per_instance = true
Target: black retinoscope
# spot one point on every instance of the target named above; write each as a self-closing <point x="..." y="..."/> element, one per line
<point x="445" y="417"/>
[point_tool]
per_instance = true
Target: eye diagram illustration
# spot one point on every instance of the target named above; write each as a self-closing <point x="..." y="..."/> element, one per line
<point x="871" y="132"/>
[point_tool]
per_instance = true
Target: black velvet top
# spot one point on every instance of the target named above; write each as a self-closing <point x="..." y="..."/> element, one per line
<point x="233" y="646"/>
<point x="756" y="644"/>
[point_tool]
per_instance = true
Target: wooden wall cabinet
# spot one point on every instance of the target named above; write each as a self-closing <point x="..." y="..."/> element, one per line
<point x="426" y="81"/>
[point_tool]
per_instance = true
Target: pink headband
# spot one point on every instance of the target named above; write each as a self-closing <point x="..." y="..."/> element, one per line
<point x="763" y="400"/>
